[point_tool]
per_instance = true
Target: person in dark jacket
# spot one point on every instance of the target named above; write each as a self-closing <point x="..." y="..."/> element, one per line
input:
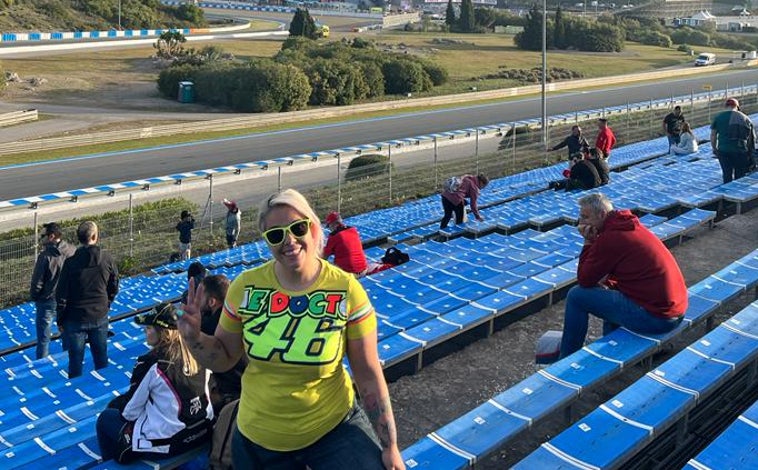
<point x="600" y="164"/>
<point x="672" y="125"/>
<point x="224" y="387"/>
<point x="47" y="270"/>
<point x="575" y="142"/>
<point x="185" y="226"/>
<point x="166" y="410"/>
<point x="581" y="175"/>
<point x="88" y="284"/>
<point x="626" y="276"/>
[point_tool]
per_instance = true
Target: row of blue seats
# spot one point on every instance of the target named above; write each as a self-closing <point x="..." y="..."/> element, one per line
<point x="735" y="448"/>
<point x="62" y="400"/>
<point x="534" y="267"/>
<point x="479" y="432"/>
<point x="613" y="434"/>
<point x="148" y="291"/>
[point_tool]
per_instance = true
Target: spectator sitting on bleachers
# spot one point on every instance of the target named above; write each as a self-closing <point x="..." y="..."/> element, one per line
<point x="47" y="270"/>
<point x="195" y="271"/>
<point x="687" y="143"/>
<point x="626" y="276"/>
<point x="454" y="198"/>
<point x="86" y="288"/>
<point x="166" y="411"/>
<point x="581" y="174"/>
<point x="601" y="165"/>
<point x="344" y="243"/>
<point x="224" y="387"/>
<point x="296" y="317"/>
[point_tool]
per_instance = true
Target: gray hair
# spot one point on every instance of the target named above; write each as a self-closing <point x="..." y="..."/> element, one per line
<point x="295" y="200"/>
<point x="597" y="202"/>
<point x="86" y="231"/>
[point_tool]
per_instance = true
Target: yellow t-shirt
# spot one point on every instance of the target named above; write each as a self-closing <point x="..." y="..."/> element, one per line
<point x="295" y="389"/>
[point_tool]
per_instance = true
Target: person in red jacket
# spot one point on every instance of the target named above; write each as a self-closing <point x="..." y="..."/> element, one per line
<point x="605" y="140"/>
<point x="345" y="244"/>
<point x="626" y="276"/>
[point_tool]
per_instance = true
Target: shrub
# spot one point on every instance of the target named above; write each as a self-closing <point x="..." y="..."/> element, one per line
<point x="168" y="79"/>
<point x="367" y="166"/>
<point x="437" y="74"/>
<point x="403" y="76"/>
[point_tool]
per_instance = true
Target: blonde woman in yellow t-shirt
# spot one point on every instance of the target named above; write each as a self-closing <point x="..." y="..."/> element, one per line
<point x="295" y="317"/>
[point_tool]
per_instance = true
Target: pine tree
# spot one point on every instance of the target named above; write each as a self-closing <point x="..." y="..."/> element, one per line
<point x="559" y="36"/>
<point x="450" y="14"/>
<point x="302" y="24"/>
<point x="530" y="38"/>
<point x="466" y="22"/>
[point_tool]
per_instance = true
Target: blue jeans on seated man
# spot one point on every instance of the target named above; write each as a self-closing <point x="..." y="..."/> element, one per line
<point x="614" y="308"/>
<point x="351" y="445"/>
<point x="45" y="316"/>
<point x="75" y="335"/>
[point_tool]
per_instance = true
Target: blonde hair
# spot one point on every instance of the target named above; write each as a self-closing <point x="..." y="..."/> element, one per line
<point x="298" y="202"/>
<point x="177" y="350"/>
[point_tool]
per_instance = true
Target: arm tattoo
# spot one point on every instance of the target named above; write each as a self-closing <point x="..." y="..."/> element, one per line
<point x="379" y="411"/>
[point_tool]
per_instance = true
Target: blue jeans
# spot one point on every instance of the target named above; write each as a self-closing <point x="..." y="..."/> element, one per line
<point x="45" y="315"/>
<point x="75" y="335"/>
<point x="352" y="444"/>
<point x="614" y="308"/>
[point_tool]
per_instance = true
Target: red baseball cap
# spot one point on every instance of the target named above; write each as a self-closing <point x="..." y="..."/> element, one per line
<point x="332" y="217"/>
<point x="732" y="102"/>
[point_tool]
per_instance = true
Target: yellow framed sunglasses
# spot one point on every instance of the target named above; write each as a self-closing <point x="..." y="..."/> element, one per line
<point x="299" y="229"/>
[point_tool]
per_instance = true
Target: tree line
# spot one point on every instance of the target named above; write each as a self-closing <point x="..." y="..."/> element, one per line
<point x="608" y="33"/>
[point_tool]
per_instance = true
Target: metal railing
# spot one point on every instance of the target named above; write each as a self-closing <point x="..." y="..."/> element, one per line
<point x="142" y="234"/>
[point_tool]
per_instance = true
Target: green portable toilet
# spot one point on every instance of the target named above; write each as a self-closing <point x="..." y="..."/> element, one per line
<point x="186" y="92"/>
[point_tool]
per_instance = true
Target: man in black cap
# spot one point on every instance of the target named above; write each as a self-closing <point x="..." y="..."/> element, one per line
<point x="47" y="270"/>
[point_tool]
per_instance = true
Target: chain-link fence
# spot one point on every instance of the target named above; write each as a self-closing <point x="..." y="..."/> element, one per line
<point x="142" y="234"/>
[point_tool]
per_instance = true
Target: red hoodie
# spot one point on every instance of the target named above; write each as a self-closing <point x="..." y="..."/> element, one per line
<point x="345" y="244"/>
<point x="636" y="263"/>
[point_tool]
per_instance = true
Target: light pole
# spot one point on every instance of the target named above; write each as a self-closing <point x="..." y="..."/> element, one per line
<point x="544" y="72"/>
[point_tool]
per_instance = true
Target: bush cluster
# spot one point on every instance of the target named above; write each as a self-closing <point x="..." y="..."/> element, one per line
<point x="305" y="72"/>
<point x="534" y="75"/>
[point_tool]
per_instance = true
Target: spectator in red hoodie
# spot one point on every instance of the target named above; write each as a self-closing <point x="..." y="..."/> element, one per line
<point x="345" y="244"/>
<point x="626" y="276"/>
<point x="605" y="140"/>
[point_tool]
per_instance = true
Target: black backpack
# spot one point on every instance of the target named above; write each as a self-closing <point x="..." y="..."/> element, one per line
<point x="394" y="256"/>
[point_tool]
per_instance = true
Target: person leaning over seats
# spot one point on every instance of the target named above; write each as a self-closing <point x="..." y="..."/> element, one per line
<point x="344" y="243"/>
<point x="455" y="201"/>
<point x="295" y="317"/>
<point x="166" y="411"/>
<point x="626" y="276"/>
<point x="672" y="126"/>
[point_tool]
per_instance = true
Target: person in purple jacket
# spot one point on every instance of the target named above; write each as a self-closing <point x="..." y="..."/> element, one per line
<point x="454" y="198"/>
